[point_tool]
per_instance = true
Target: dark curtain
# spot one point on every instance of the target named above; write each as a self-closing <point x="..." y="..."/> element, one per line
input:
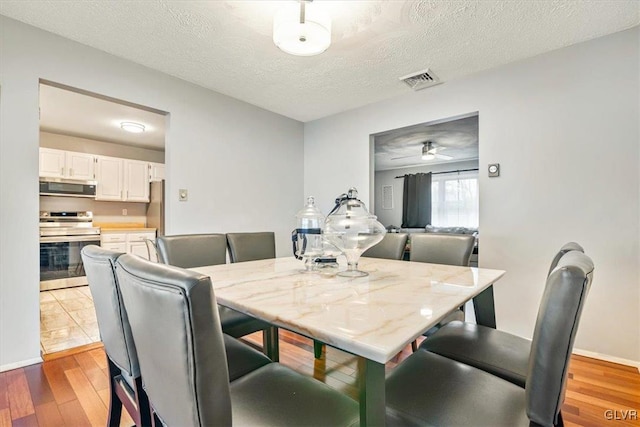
<point x="416" y="200"/>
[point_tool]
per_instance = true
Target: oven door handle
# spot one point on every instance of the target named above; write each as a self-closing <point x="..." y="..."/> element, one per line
<point x="63" y="239"/>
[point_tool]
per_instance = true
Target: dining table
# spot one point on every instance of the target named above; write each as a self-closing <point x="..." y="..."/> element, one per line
<point x="373" y="317"/>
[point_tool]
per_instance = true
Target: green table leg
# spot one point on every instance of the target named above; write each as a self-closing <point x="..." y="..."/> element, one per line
<point x="485" y="309"/>
<point x="271" y="343"/>
<point x="372" y="393"/>
<point x="317" y="349"/>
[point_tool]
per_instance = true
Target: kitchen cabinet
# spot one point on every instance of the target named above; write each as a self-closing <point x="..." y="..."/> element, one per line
<point x="118" y="247"/>
<point x="122" y="179"/>
<point x="156" y="172"/>
<point x="136" y="181"/>
<point x="51" y="163"/>
<point x="79" y="165"/>
<point x="131" y="242"/>
<point x="110" y="177"/>
<point x="117" y="179"/>
<point x="66" y="164"/>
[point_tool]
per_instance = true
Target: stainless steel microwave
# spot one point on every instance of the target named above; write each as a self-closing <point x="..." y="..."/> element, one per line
<point x="67" y="187"/>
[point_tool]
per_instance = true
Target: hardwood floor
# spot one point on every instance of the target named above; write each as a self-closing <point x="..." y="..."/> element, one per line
<point x="71" y="388"/>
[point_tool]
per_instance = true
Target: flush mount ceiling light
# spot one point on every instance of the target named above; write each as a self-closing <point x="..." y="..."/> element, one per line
<point x="302" y="29"/>
<point x="132" y="127"/>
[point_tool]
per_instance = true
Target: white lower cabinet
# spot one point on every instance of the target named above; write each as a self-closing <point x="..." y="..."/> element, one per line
<point x="131" y="242"/>
<point x="118" y="247"/>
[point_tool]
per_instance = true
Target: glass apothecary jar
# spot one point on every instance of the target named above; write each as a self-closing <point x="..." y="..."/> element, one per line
<point x="352" y="229"/>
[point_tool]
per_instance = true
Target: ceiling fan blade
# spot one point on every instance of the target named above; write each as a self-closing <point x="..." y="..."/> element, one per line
<point x="442" y="156"/>
<point x="403" y="157"/>
<point x="435" y="150"/>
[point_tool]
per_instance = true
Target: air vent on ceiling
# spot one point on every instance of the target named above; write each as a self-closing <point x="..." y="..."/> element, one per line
<point x="421" y="79"/>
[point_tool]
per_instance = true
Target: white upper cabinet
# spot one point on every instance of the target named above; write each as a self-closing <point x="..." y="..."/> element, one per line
<point x="156" y="172"/>
<point x="122" y="179"/>
<point x="117" y="179"/>
<point x="109" y="174"/>
<point x="80" y="165"/>
<point x="52" y="162"/>
<point x="136" y="181"/>
<point x="66" y="164"/>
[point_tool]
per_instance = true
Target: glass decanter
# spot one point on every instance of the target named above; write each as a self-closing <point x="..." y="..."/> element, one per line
<point x="352" y="229"/>
<point x="307" y="237"/>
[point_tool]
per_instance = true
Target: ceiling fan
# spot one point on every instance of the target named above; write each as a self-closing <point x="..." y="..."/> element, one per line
<point x="430" y="151"/>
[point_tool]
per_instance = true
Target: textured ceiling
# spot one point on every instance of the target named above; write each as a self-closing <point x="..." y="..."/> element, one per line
<point x="70" y="113"/>
<point x="402" y="148"/>
<point x="227" y="45"/>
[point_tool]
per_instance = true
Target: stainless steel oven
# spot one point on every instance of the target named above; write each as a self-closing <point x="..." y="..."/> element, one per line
<point x="62" y="237"/>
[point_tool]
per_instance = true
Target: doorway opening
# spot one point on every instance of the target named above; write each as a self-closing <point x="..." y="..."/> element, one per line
<point x="100" y="159"/>
<point x="446" y="154"/>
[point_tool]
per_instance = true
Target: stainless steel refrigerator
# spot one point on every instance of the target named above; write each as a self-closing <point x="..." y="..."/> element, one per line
<point x="155" y="211"/>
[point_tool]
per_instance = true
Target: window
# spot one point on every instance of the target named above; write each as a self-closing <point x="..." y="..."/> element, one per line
<point x="454" y="200"/>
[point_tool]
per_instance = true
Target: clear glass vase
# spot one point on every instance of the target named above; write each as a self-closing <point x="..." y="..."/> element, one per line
<point x="307" y="237"/>
<point x="352" y="229"/>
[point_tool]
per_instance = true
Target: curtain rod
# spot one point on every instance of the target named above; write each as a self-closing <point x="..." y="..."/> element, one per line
<point x="438" y="173"/>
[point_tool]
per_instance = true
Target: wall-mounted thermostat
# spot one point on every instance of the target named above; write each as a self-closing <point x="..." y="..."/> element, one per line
<point x="494" y="170"/>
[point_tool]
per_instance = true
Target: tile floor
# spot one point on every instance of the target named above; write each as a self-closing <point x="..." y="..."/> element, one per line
<point x="67" y="319"/>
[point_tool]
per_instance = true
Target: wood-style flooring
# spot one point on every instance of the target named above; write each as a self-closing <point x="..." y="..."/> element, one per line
<point x="71" y="388"/>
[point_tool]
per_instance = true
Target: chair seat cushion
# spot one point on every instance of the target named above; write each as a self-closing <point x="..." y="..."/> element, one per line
<point x="242" y="359"/>
<point x="275" y="395"/>
<point x="488" y="349"/>
<point x="239" y="324"/>
<point x="428" y="389"/>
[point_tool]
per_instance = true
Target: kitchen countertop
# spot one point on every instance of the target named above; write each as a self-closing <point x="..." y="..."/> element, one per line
<point x="124" y="227"/>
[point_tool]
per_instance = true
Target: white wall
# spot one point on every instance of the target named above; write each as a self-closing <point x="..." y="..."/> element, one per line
<point x="242" y="165"/>
<point x="564" y="127"/>
<point x="388" y="177"/>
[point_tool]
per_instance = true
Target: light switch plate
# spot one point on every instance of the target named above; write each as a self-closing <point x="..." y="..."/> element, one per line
<point x="183" y="195"/>
<point x="494" y="170"/>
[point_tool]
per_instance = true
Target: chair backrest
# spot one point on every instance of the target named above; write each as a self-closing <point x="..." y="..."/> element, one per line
<point x="251" y="246"/>
<point x="555" y="331"/>
<point x="390" y="247"/>
<point x="192" y="250"/>
<point x="176" y="327"/>
<point x="567" y="247"/>
<point x="451" y="249"/>
<point x="113" y="322"/>
<point x="152" y="250"/>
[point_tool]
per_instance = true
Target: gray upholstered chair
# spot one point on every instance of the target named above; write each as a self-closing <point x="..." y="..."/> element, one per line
<point x="488" y="349"/>
<point x="436" y="248"/>
<point x="188" y="384"/>
<point x="429" y="389"/>
<point x="390" y="247"/>
<point x="192" y="250"/>
<point x="115" y="331"/>
<point x="251" y="246"/>
<point x="124" y="372"/>
<point x="197" y="250"/>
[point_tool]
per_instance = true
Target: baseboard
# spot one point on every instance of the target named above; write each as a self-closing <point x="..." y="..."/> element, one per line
<point x="21" y="364"/>
<point x="607" y="358"/>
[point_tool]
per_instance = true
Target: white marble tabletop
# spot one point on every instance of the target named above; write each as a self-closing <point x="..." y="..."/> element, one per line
<point x="374" y="316"/>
